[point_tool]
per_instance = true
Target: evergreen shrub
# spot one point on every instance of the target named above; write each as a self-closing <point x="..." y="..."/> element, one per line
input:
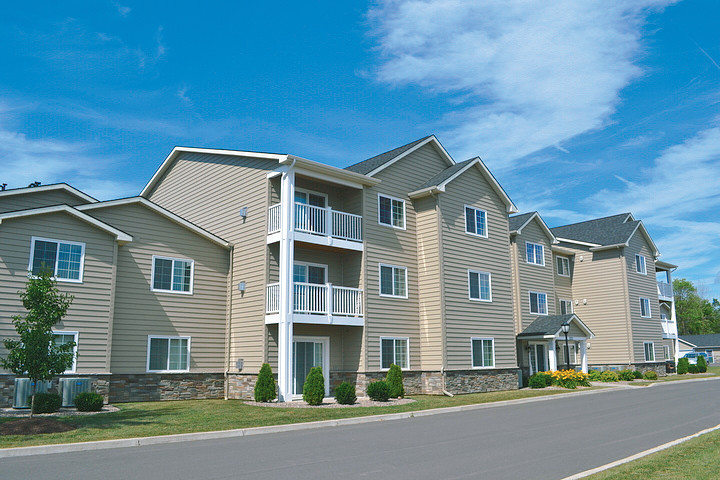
<point x="345" y="393"/>
<point x="378" y="391"/>
<point x="683" y="366"/>
<point x="638" y="374"/>
<point x="265" y="385"/>
<point x="89" y="402"/>
<point x="651" y="375"/>
<point x="626" y="375"/>
<point x="609" y="376"/>
<point x="701" y="364"/>
<point x="314" y="388"/>
<point x="46" y="402"/>
<point x="692" y="368"/>
<point x="394" y="380"/>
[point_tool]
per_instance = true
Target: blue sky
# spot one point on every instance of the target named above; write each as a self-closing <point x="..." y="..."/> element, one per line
<point x="581" y="109"/>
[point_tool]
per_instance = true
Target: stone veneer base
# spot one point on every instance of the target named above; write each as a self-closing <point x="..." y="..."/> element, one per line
<point x="657" y="367"/>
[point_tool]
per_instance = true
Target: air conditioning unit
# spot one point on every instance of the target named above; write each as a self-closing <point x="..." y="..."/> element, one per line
<point x="23" y="390"/>
<point x="70" y="387"/>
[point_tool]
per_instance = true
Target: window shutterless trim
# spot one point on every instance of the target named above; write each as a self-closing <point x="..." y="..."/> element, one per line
<point x="404" y="211"/>
<point x="472" y="352"/>
<point x="312" y="192"/>
<point x="75" y="334"/>
<point x="530" y="302"/>
<point x="57" y="255"/>
<point x="640" y="261"/>
<point x="645" y="351"/>
<point x="479" y="298"/>
<point x="162" y="290"/>
<point x="380" y="265"/>
<point x="407" y="352"/>
<point x="567" y="302"/>
<point x="168" y="338"/>
<point x="542" y="257"/>
<point x="566" y="268"/>
<point x="475" y="209"/>
<point x="649" y="310"/>
<point x="310" y="264"/>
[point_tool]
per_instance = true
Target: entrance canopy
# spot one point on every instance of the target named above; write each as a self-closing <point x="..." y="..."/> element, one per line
<point x="550" y="326"/>
<point x="543" y="338"/>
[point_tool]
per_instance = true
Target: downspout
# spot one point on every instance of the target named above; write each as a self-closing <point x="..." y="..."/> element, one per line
<point x="442" y="297"/>
<point x="228" y="324"/>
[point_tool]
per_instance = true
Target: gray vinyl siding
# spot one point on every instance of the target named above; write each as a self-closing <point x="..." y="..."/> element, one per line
<point x="563" y="285"/>
<point x="643" y="329"/>
<point x="209" y="190"/>
<point x="38" y="199"/>
<point x="140" y="312"/>
<point x="387" y="316"/>
<point x="465" y="318"/>
<point x="533" y="277"/>
<point x="91" y="308"/>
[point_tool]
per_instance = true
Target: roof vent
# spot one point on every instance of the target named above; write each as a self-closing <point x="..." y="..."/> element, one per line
<point x="34" y="184"/>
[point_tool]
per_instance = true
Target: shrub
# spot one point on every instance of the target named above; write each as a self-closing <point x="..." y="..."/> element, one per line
<point x="651" y="375"/>
<point x="395" y="382"/>
<point x="595" y="376"/>
<point x="626" y="375"/>
<point x="345" y="393"/>
<point x="265" y="385"/>
<point x="693" y="368"/>
<point x="378" y="391"/>
<point x="702" y="364"/>
<point x="89" y="402"/>
<point x="609" y="376"/>
<point x="637" y="374"/>
<point x="537" y="381"/>
<point x="46" y="402"/>
<point x="314" y="388"/>
<point x="683" y="366"/>
<point x="569" y="378"/>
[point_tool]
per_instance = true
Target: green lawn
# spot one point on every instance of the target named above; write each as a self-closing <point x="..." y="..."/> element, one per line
<point x="165" y="418"/>
<point x="711" y="372"/>
<point x="697" y="459"/>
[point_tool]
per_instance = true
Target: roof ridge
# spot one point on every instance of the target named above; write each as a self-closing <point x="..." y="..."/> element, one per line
<point x="595" y="220"/>
<point x="370" y="164"/>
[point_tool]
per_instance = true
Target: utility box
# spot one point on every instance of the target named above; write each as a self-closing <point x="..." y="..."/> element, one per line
<point x="23" y="390"/>
<point x="70" y="387"/>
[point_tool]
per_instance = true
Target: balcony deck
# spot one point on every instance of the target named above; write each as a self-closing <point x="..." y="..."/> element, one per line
<point x="323" y="304"/>
<point x="321" y="226"/>
<point x="665" y="291"/>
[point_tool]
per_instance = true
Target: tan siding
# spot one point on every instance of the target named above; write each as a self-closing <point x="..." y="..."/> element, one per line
<point x="533" y="277"/>
<point x="90" y="310"/>
<point x="24" y="201"/>
<point x="563" y="285"/>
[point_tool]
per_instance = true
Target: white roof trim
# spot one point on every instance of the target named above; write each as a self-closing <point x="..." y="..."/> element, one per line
<point x="45" y="188"/>
<point x="443" y="153"/>
<point x="686" y="342"/>
<point x="578" y="242"/>
<point x="581" y="325"/>
<point x="120" y="236"/>
<point x="543" y="225"/>
<point x="328" y="170"/>
<point x="161" y="211"/>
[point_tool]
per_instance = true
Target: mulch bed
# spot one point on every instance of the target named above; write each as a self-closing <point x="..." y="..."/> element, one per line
<point x="33" y="426"/>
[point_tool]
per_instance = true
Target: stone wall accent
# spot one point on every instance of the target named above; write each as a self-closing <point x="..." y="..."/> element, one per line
<point x="479" y="381"/>
<point x="149" y="387"/>
<point x="657" y="367"/>
<point x="241" y="386"/>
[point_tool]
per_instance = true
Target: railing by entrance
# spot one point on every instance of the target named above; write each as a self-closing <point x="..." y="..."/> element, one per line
<point x="318" y="299"/>
<point x="320" y="221"/>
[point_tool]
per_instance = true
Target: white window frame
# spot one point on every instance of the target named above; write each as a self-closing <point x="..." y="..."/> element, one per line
<point x="472" y="352"/>
<point x="75" y="335"/>
<point x="649" y="310"/>
<point x="568" y="302"/>
<point x="380" y="265"/>
<point x="640" y="264"/>
<point x="666" y="352"/>
<point x="404" y="211"/>
<point x="565" y="261"/>
<point x="57" y="254"/>
<point x="479" y="298"/>
<point x="168" y="338"/>
<point x="476" y="210"/>
<point x="310" y="264"/>
<point x="530" y="294"/>
<point x="174" y="259"/>
<point x="407" y="352"/>
<point x="645" y="351"/>
<point x="542" y="255"/>
<point x="312" y="192"/>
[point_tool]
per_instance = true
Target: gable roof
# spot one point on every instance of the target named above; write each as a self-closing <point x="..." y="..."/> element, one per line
<point x="518" y="222"/>
<point x="700" y="341"/>
<point x="119" y="235"/>
<point x="375" y="164"/>
<point x="44" y="188"/>
<point x="606" y="232"/>
<point x="551" y="325"/>
<point x="160" y="211"/>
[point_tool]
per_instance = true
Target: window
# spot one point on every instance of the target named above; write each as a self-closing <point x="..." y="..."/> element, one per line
<point x="535" y="253"/>
<point x="479" y="286"/>
<point x="566" y="307"/>
<point x="538" y="303"/>
<point x="391" y="212"/>
<point x="564" y="355"/>
<point x="393" y="281"/>
<point x="61" y="338"/>
<point x="666" y="352"/>
<point x="63" y="259"/>
<point x="645" y="307"/>
<point x="649" y="351"/>
<point x="394" y="350"/>
<point x="168" y="354"/>
<point x="172" y="275"/>
<point x="476" y="221"/>
<point x="640" y="264"/>
<point x="483" y="352"/>
<point x="563" y="266"/>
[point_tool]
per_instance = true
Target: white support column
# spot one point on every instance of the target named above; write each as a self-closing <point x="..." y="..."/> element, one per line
<point x="583" y="356"/>
<point x="552" y="357"/>
<point x="287" y="254"/>
<point x="329" y="304"/>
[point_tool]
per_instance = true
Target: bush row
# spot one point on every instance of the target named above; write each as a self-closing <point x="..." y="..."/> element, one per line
<point x="51" y="402"/>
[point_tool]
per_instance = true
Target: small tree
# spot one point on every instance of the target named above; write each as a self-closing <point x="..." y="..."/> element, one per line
<point x="683" y="366"/>
<point x="394" y="380"/>
<point x="314" y="387"/>
<point x="701" y="364"/>
<point x="265" y="385"/>
<point x="35" y="354"/>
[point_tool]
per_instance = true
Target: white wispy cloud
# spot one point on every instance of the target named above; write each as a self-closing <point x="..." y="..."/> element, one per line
<point x="526" y="74"/>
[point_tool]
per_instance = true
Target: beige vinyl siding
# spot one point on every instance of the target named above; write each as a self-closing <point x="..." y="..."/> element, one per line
<point x="90" y="310"/>
<point x="533" y="277"/>
<point x="209" y="190"/>
<point x="666" y="342"/>
<point x="140" y="312"/>
<point x="598" y="277"/>
<point x="338" y="198"/>
<point x="465" y="318"/>
<point x="386" y="316"/>
<point x="38" y="199"/>
<point x="430" y="279"/>
<point x="643" y="329"/>
<point x="563" y="285"/>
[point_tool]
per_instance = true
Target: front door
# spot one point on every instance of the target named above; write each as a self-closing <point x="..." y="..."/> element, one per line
<point x="309" y="352"/>
<point x="537" y="358"/>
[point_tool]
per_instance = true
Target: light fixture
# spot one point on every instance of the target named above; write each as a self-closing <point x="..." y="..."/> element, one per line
<point x="565" y="329"/>
<point x="239" y="363"/>
<point x="241" y="287"/>
<point x="243" y="212"/>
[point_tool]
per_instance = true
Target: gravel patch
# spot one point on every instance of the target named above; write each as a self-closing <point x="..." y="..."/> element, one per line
<point x="63" y="412"/>
<point x="331" y="403"/>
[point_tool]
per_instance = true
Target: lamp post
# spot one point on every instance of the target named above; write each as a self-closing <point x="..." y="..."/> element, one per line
<point x="565" y="329"/>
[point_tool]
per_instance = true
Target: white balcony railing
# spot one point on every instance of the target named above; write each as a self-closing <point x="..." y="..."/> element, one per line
<point x="318" y="299"/>
<point x="320" y="221"/>
<point x="669" y="328"/>
<point x="665" y="290"/>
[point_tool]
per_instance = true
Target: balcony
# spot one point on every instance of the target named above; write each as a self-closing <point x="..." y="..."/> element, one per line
<point x="669" y="328"/>
<point x="665" y="291"/>
<point x="317" y="303"/>
<point x="319" y="225"/>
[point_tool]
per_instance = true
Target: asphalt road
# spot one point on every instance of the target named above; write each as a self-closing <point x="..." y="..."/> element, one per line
<point x="542" y="440"/>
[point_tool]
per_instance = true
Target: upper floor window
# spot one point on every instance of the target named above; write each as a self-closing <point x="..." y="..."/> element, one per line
<point x="391" y="211"/>
<point x="640" y="264"/>
<point x="535" y="253"/>
<point x="168" y="354"/>
<point x="563" y="266"/>
<point x="645" y="307"/>
<point x="649" y="348"/>
<point x="62" y="338"/>
<point x="63" y="259"/>
<point x="394" y="350"/>
<point x="476" y="221"/>
<point x="566" y="307"/>
<point x="172" y="275"/>
<point x="393" y="281"/>
<point x="538" y="303"/>
<point x="479" y="286"/>
<point x="483" y="352"/>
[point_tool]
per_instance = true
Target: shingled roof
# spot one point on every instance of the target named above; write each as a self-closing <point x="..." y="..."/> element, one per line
<point x="601" y="231"/>
<point x="445" y="174"/>
<point x="518" y="221"/>
<point x="709" y="340"/>
<point x="546" y="325"/>
<point x="367" y="166"/>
